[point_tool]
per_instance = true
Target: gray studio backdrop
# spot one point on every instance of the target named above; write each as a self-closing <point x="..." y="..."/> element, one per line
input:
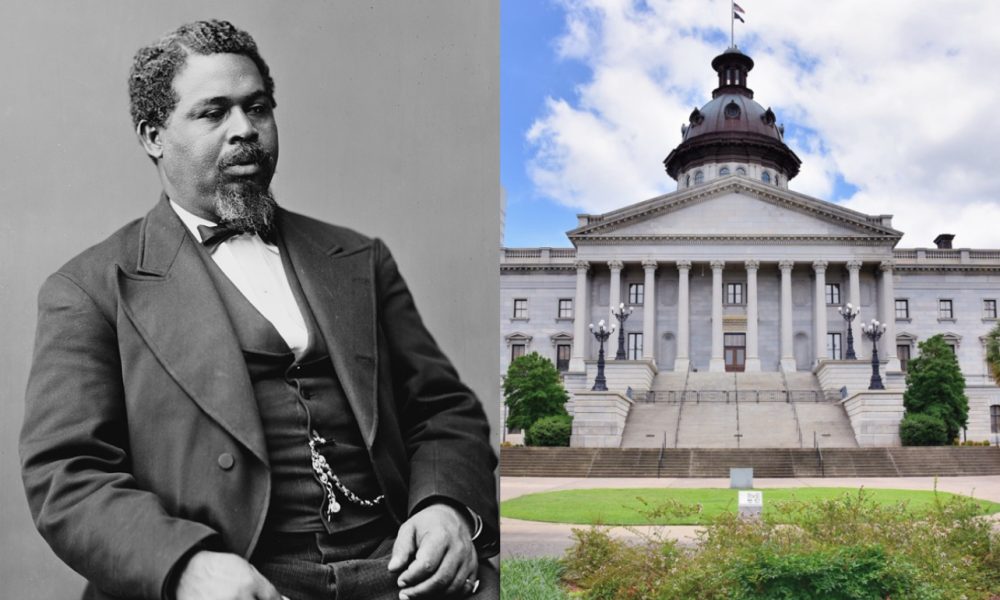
<point x="388" y="116"/>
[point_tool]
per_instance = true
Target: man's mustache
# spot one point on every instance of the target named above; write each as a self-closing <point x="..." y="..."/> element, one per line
<point x="244" y="154"/>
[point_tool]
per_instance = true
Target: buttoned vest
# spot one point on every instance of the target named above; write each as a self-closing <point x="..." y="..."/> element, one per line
<point x="302" y="399"/>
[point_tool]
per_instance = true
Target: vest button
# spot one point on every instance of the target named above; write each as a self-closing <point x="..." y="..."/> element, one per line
<point x="226" y="461"/>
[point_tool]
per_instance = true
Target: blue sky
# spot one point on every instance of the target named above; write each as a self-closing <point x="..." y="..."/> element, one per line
<point x="884" y="104"/>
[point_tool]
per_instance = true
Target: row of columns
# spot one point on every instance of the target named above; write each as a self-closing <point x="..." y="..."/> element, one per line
<point x="752" y="362"/>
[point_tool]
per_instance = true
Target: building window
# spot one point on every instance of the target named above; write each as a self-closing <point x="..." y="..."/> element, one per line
<point x="687" y="181"/>
<point x="634" y="346"/>
<point x="635" y="293"/>
<point x="520" y="308"/>
<point x="562" y="356"/>
<point x="734" y="293"/>
<point x="903" y="353"/>
<point x="777" y="179"/>
<point x="765" y="177"/>
<point x="833" y="347"/>
<point x="699" y="178"/>
<point x="565" y="308"/>
<point x="989" y="308"/>
<point x="741" y="171"/>
<point x="995" y="418"/>
<point x="945" y="309"/>
<point x="516" y="351"/>
<point x="723" y="171"/>
<point x="833" y="293"/>
<point x="902" y="308"/>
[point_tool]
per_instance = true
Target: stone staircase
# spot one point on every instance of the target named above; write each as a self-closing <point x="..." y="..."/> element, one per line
<point x="737" y="410"/>
<point x="773" y="462"/>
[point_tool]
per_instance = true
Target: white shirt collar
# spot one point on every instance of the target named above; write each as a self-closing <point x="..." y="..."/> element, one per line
<point x="192" y="221"/>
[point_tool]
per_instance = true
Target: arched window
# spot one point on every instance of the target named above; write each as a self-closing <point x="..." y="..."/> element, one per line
<point x="687" y="181"/>
<point x="995" y="418"/>
<point x="741" y="171"/>
<point x="765" y="177"/>
<point x="723" y="171"/>
<point x="777" y="179"/>
<point x="699" y="177"/>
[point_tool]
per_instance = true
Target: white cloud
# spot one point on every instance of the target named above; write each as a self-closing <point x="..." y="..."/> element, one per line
<point x="897" y="98"/>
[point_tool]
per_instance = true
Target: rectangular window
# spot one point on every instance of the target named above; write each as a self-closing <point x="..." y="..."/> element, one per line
<point x="833" y="347"/>
<point x="634" y="346"/>
<point x="636" y="291"/>
<point x="565" y="308"/>
<point x="945" y="310"/>
<point x="562" y="356"/>
<point x="833" y="293"/>
<point x="903" y="352"/>
<point x="734" y="293"/>
<point x="902" y="308"/>
<point x="989" y="308"/>
<point x="516" y="351"/>
<point x="995" y="418"/>
<point x="520" y="308"/>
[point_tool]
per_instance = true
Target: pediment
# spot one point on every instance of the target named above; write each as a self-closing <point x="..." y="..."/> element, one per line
<point x="734" y="208"/>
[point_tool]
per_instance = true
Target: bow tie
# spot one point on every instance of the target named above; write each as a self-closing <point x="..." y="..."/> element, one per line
<point x="212" y="237"/>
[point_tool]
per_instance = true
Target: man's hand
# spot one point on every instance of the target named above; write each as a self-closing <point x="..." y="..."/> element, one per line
<point x="222" y="576"/>
<point x="435" y="548"/>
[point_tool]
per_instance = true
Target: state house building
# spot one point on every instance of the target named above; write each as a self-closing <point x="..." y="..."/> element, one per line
<point x="735" y="281"/>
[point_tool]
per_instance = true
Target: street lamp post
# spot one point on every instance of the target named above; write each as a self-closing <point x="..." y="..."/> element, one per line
<point x="874" y="331"/>
<point x="849" y="313"/>
<point x="622" y="315"/>
<point x="602" y="333"/>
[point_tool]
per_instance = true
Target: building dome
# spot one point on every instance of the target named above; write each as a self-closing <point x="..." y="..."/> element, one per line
<point x="732" y="127"/>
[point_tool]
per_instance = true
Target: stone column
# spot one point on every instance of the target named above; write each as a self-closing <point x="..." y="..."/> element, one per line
<point x="753" y="353"/>
<point x="580" y="331"/>
<point x="819" y="312"/>
<point x="649" y="310"/>
<point x="787" y="352"/>
<point x="717" y="364"/>
<point x="854" y="276"/>
<point x="683" y="360"/>
<point x="616" y="267"/>
<point x="888" y="297"/>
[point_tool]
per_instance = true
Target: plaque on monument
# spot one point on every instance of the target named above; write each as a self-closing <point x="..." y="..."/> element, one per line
<point x="751" y="504"/>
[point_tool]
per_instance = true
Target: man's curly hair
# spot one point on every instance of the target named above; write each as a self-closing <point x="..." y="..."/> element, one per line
<point x="150" y="81"/>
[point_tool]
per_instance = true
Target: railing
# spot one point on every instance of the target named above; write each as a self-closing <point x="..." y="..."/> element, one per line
<point x="819" y="455"/>
<point x="663" y="449"/>
<point x="730" y="396"/>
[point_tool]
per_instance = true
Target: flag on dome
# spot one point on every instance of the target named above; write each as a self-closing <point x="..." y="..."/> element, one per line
<point x="737" y="11"/>
<point x="736" y="15"/>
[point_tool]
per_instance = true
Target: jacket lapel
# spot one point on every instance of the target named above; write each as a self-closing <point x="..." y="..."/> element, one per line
<point x="174" y="305"/>
<point x="338" y="286"/>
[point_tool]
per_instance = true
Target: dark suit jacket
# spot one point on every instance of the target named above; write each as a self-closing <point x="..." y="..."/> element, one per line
<point x="142" y="438"/>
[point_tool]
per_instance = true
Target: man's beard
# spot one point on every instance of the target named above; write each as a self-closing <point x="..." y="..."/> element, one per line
<point x="246" y="207"/>
<point x="245" y="204"/>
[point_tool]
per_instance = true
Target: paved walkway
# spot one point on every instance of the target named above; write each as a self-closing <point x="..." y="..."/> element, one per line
<point x="530" y="538"/>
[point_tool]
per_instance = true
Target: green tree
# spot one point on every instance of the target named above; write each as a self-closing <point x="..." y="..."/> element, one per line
<point x="550" y="431"/>
<point x="532" y="390"/>
<point x="993" y="352"/>
<point x="935" y="386"/>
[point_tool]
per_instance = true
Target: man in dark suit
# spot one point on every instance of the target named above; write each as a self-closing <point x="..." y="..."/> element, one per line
<point x="229" y="400"/>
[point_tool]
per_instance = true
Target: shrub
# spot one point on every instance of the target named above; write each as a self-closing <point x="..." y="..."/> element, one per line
<point x="918" y="429"/>
<point x="847" y="548"/>
<point x="532" y="389"/>
<point x="550" y="431"/>
<point x="935" y="386"/>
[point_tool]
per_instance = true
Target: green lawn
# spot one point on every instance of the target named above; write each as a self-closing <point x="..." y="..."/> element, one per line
<point x="632" y="506"/>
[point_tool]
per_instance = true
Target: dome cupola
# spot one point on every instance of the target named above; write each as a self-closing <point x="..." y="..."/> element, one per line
<point x="732" y="134"/>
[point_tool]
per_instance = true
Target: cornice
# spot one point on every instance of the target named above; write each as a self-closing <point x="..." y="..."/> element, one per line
<point x="752" y="239"/>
